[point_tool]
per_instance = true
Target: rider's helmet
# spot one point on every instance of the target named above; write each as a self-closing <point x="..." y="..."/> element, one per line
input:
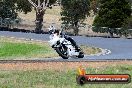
<point x="57" y="31"/>
<point x="51" y="29"/>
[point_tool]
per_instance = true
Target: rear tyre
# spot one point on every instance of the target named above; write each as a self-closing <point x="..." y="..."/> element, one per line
<point x="62" y="51"/>
<point x="81" y="55"/>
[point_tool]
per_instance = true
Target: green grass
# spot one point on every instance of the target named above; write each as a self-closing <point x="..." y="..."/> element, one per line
<point x="58" y="79"/>
<point x="12" y="48"/>
<point x="9" y="50"/>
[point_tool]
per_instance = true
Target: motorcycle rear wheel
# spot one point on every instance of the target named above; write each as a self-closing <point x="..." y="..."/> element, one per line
<point x="81" y="55"/>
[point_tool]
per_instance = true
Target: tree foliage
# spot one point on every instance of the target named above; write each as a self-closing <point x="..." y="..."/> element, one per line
<point x="23" y="6"/>
<point x="7" y="9"/>
<point x="40" y="7"/>
<point x="74" y="12"/>
<point x="112" y="14"/>
<point x="94" y="5"/>
<point x="10" y="7"/>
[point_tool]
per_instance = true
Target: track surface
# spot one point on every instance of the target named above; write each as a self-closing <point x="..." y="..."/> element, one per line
<point x="120" y="48"/>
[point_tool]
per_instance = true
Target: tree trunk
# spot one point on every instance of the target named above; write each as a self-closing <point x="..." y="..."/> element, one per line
<point x="76" y="30"/>
<point x="39" y="21"/>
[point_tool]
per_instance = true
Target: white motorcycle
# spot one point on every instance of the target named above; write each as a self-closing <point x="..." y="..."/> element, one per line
<point x="65" y="46"/>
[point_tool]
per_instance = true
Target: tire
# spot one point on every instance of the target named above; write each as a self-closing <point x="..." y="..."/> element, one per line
<point x="81" y="55"/>
<point x="60" y="52"/>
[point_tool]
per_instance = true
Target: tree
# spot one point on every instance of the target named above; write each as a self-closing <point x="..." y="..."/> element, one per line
<point x="74" y="12"/>
<point x="40" y="8"/>
<point x="23" y="6"/>
<point x="7" y="9"/>
<point x="94" y="6"/>
<point x="112" y="15"/>
<point x="7" y="12"/>
<point x="10" y="8"/>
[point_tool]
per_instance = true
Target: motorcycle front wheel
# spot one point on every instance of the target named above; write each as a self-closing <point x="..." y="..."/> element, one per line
<point x="62" y="51"/>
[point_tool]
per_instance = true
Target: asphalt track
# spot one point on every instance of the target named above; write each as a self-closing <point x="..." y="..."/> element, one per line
<point x="113" y="48"/>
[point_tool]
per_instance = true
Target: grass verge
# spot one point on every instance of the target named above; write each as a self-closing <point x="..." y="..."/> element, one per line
<point x="12" y="48"/>
<point x="90" y="50"/>
<point x="62" y="78"/>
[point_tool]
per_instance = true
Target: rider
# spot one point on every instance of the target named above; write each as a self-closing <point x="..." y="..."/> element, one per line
<point x="73" y="42"/>
<point x="54" y="30"/>
<point x="69" y="39"/>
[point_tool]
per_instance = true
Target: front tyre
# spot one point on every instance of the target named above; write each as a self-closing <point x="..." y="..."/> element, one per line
<point x="62" y="52"/>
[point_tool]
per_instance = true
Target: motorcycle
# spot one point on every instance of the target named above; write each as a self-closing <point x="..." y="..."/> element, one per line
<point x="64" y="45"/>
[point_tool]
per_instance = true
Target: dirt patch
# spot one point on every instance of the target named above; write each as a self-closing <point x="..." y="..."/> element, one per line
<point x="59" y="65"/>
